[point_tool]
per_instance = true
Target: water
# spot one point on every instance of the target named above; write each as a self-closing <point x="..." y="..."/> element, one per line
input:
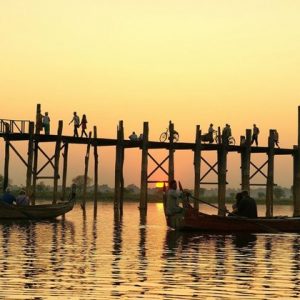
<point x="83" y="258"/>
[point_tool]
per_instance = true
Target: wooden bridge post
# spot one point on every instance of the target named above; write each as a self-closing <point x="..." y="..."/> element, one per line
<point x="197" y="166"/>
<point x="144" y="170"/>
<point x="86" y="169"/>
<point x="38" y="119"/>
<point x="222" y="170"/>
<point x="95" y="171"/>
<point x="6" y="159"/>
<point x="171" y="152"/>
<point x="245" y="162"/>
<point x="119" y="169"/>
<point x="65" y="170"/>
<point x="270" y="175"/>
<point x="30" y="159"/>
<point x="296" y="172"/>
<point x="56" y="161"/>
<point x="296" y="181"/>
<point x="34" y="173"/>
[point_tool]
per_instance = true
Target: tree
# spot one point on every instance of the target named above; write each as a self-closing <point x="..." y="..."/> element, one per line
<point x="278" y="193"/>
<point x="261" y="195"/>
<point x="79" y="181"/>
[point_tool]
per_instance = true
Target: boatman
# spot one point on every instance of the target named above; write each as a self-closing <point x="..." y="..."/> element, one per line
<point x="174" y="198"/>
<point x="8" y="197"/>
<point x="245" y="205"/>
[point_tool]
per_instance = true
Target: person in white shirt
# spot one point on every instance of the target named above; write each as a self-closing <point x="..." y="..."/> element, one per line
<point x="76" y="121"/>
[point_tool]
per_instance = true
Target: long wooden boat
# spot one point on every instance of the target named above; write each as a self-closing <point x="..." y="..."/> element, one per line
<point x="191" y="219"/>
<point x="36" y="212"/>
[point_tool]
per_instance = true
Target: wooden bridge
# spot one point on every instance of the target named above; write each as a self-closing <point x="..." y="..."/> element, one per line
<point x="25" y="130"/>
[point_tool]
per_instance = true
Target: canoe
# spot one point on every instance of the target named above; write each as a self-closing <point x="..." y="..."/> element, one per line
<point x="192" y="220"/>
<point x="36" y="212"/>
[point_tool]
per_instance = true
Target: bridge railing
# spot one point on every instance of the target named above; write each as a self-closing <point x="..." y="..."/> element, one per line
<point x="14" y="126"/>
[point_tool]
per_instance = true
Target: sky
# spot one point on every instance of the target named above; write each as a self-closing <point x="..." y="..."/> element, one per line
<point x="192" y="62"/>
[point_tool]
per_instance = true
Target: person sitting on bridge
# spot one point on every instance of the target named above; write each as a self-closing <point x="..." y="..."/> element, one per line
<point x="276" y="138"/>
<point x="245" y="206"/>
<point x="133" y="136"/>
<point x="7" y="197"/>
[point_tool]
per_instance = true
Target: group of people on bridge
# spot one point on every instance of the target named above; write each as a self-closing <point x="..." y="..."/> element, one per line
<point x="43" y="122"/>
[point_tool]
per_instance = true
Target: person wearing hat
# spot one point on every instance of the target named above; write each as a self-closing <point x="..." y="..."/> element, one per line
<point x="8" y="197"/>
<point x="22" y="199"/>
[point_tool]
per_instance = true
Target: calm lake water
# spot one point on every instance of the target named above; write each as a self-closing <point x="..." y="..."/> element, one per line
<point x="84" y="258"/>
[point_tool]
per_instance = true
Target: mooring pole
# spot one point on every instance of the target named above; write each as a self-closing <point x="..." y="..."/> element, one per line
<point x="65" y="170"/>
<point x="56" y="161"/>
<point x="270" y="175"/>
<point x="197" y="167"/>
<point x="296" y="172"/>
<point x="86" y="169"/>
<point x="144" y="170"/>
<point x="171" y="152"/>
<point x="95" y="171"/>
<point x="30" y="159"/>
<point x="222" y="170"/>
<point x="245" y="162"/>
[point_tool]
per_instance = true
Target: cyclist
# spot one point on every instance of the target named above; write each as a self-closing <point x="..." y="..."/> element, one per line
<point x="226" y="134"/>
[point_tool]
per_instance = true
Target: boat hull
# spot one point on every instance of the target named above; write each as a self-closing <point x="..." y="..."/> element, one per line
<point x="34" y="212"/>
<point x="191" y="219"/>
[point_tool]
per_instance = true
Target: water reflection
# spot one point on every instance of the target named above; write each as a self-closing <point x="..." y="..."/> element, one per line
<point x="137" y="257"/>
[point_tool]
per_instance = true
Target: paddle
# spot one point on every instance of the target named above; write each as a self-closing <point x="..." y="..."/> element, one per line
<point x="265" y="227"/>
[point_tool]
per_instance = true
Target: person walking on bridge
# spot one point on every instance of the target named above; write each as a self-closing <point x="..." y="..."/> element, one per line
<point x="255" y="134"/>
<point x="76" y="122"/>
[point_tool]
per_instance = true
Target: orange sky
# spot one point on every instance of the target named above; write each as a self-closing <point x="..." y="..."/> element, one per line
<point x="193" y="62"/>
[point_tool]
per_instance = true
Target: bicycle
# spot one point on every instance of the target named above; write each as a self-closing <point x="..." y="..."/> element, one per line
<point x="166" y="135"/>
<point x="231" y="139"/>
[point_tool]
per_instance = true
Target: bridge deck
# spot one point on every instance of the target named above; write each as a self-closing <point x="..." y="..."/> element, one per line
<point x="138" y="144"/>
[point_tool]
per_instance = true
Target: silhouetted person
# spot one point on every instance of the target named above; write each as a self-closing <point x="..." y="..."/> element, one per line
<point x="276" y="138"/>
<point x="46" y="123"/>
<point x="83" y="125"/>
<point x="245" y="205"/>
<point x="22" y="199"/>
<point x="226" y="134"/>
<point x="173" y="199"/>
<point x="210" y="134"/>
<point x="133" y="136"/>
<point x="76" y="121"/>
<point x="7" y="197"/>
<point x="255" y="134"/>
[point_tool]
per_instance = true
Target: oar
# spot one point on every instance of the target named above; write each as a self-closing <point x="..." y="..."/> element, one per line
<point x="265" y="227"/>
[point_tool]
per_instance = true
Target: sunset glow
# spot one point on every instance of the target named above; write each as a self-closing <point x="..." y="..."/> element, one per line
<point x="192" y="62"/>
